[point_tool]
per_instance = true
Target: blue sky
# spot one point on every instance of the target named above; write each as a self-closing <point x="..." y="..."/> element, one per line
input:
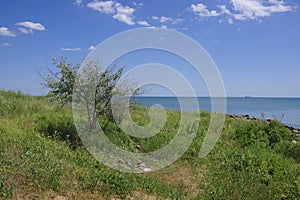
<point x="255" y="43"/>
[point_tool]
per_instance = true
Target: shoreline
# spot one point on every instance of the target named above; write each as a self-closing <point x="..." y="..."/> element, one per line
<point x="294" y="130"/>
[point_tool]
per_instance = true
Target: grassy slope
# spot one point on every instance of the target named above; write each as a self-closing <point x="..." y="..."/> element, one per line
<point x="41" y="158"/>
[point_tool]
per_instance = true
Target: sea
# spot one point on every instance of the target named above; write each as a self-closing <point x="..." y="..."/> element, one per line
<point x="285" y="110"/>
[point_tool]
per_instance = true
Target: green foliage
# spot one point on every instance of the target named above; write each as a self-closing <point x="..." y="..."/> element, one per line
<point x="61" y="81"/>
<point x="59" y="126"/>
<point x="30" y="157"/>
<point x="252" y="159"/>
<point x="253" y="173"/>
<point x="6" y="191"/>
<point x="273" y="135"/>
<point x="62" y="86"/>
<point x="118" y="137"/>
<point x="251" y="133"/>
<point x="277" y="132"/>
<point x="288" y="149"/>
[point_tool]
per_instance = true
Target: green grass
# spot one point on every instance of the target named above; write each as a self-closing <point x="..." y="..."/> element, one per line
<point x="41" y="157"/>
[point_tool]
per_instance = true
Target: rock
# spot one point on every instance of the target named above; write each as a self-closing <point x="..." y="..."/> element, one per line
<point x="138" y="147"/>
<point x="141" y="164"/>
<point x="59" y="197"/>
<point x="298" y="135"/>
<point x="294" y="142"/>
<point x="296" y="131"/>
<point x="246" y="116"/>
<point x="130" y="165"/>
<point x="125" y="164"/>
<point x="290" y="128"/>
<point x="232" y="116"/>
<point x="268" y="120"/>
<point x="147" y="169"/>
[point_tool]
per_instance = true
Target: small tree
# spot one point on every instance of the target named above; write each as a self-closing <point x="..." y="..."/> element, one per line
<point x="61" y="85"/>
<point x="62" y="81"/>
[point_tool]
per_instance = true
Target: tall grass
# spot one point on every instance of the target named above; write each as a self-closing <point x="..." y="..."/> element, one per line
<point x="41" y="156"/>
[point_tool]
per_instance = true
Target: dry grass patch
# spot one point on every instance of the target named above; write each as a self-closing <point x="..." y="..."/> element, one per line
<point x="182" y="177"/>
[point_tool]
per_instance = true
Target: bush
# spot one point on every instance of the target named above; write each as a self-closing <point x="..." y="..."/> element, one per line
<point x="253" y="173"/>
<point x="288" y="149"/>
<point x="250" y="133"/>
<point x="59" y="126"/>
<point x="277" y="132"/>
<point x="273" y="135"/>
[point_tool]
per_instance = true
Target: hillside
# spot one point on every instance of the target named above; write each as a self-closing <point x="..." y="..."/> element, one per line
<point x="41" y="157"/>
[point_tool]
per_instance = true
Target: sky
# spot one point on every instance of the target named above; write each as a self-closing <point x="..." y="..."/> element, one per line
<point x="254" y="43"/>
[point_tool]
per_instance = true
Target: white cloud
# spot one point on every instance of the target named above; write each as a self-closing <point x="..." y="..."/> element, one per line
<point x="202" y="11"/>
<point x="158" y="27"/>
<point x="137" y="4"/>
<point x="155" y="17"/>
<point x="249" y="9"/>
<point x="78" y="2"/>
<point x="121" y="13"/>
<point x="32" y="25"/>
<point x="280" y="6"/>
<point x="124" y="18"/>
<point x="5" y="44"/>
<point x="143" y="23"/>
<point x="224" y="10"/>
<point x="242" y="10"/>
<point x="152" y="27"/>
<point x="25" y="30"/>
<point x="71" y="49"/>
<point x="176" y="21"/>
<point x="124" y="14"/>
<point x="106" y="7"/>
<point x="165" y="19"/>
<point x="226" y="14"/>
<point x="92" y="48"/>
<point x="184" y="29"/>
<point x="163" y="27"/>
<point x="6" y="32"/>
<point x="255" y="9"/>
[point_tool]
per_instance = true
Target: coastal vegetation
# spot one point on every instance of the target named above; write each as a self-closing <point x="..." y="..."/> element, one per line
<point x="41" y="157"/>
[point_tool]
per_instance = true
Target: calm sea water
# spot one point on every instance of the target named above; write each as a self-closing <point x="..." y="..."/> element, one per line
<point x="286" y="110"/>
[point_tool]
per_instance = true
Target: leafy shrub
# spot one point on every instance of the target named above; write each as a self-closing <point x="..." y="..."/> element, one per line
<point x="288" y="149"/>
<point x="276" y="132"/>
<point x="273" y="135"/>
<point x="59" y="126"/>
<point x="250" y="133"/>
<point x="253" y="174"/>
<point x="117" y="136"/>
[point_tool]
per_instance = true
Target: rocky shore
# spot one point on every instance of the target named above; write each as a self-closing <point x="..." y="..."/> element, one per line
<point x="296" y="131"/>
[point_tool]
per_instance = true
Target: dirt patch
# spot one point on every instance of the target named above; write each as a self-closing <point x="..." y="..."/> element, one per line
<point x="140" y="195"/>
<point x="60" y="198"/>
<point x="181" y="177"/>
